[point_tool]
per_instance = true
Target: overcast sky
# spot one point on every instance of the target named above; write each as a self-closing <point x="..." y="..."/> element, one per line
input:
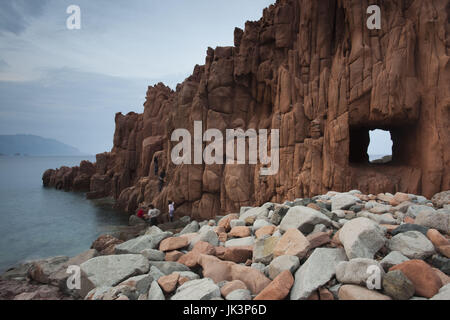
<point x="68" y="84"/>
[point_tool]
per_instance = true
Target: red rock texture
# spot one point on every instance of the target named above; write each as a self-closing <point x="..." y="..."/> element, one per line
<point x="169" y="283"/>
<point x="231" y="286"/>
<point x="171" y="244"/>
<point x="219" y="271"/>
<point x="105" y="245"/>
<point x="279" y="288"/>
<point x="313" y="70"/>
<point x="237" y="254"/>
<point x="425" y="280"/>
<point x="240" y="232"/>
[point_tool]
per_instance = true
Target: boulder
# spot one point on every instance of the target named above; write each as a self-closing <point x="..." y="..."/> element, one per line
<point x="441" y="199"/>
<point x="240" y="232"/>
<point x="435" y="220"/>
<point x="139" y="244"/>
<point x="392" y="259"/>
<point x="215" y="269"/>
<point x="397" y="286"/>
<point x="232" y="286"/>
<point x="219" y="271"/>
<point x="409" y="227"/>
<point x="237" y="254"/>
<point x="204" y="289"/>
<point x="316" y="271"/>
<point x="303" y="219"/>
<point x="265" y="231"/>
<point x="379" y="209"/>
<point x="445" y="279"/>
<point x="283" y="263"/>
<point x="173" y="243"/>
<point x="425" y="280"/>
<point x="236" y="223"/>
<point x="42" y="270"/>
<point x="444" y="250"/>
<point x="239" y="295"/>
<point x="190" y="228"/>
<point x="155" y="273"/>
<point x="153" y="255"/>
<point x="356" y="271"/>
<point x="279" y="288"/>
<point x="240" y="242"/>
<point x="190" y="259"/>
<point x="169" y="267"/>
<point x="362" y="238"/>
<point x="442" y="263"/>
<point x="169" y="283"/>
<point x="254" y="214"/>
<point x="141" y="283"/>
<point x="264" y="250"/>
<point x="261" y="223"/>
<point x="59" y="278"/>
<point x="225" y="221"/>
<point x="205" y="235"/>
<point x="352" y="292"/>
<point x="173" y="255"/>
<point x="292" y="243"/>
<point x="111" y="270"/>
<point x="343" y="201"/>
<point x="414" y="210"/>
<point x="155" y="292"/>
<point x="412" y="244"/>
<point x="255" y="280"/>
<point x="318" y="239"/>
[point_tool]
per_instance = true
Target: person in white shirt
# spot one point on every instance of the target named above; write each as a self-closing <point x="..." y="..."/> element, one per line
<point x="153" y="214"/>
<point x="171" y="210"/>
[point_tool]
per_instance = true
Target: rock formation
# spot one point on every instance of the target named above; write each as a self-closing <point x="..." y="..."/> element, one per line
<point x="313" y="70"/>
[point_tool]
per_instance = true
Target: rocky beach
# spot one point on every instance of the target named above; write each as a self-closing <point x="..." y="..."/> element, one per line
<point x="320" y="248"/>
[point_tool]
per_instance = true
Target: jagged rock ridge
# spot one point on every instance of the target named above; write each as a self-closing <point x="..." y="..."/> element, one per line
<point x="315" y="71"/>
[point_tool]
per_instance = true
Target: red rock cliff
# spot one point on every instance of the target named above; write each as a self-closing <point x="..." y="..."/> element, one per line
<point x="315" y="71"/>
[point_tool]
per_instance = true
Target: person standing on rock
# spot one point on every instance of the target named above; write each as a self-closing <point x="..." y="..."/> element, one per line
<point x="171" y="210"/>
<point x="153" y="214"/>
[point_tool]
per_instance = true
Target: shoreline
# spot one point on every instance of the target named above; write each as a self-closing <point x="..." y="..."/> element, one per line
<point x="273" y="245"/>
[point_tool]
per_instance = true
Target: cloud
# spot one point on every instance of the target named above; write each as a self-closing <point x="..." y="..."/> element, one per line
<point x="15" y="16"/>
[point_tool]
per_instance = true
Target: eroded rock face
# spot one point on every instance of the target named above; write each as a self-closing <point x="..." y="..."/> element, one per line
<point x="323" y="87"/>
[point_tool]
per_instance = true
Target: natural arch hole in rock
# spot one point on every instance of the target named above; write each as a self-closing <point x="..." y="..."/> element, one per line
<point x="380" y="147"/>
<point x="370" y="146"/>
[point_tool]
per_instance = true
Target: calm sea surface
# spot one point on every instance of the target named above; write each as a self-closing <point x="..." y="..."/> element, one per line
<point x="36" y="222"/>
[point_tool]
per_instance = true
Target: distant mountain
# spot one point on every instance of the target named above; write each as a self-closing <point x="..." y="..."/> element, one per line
<point x="31" y="145"/>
